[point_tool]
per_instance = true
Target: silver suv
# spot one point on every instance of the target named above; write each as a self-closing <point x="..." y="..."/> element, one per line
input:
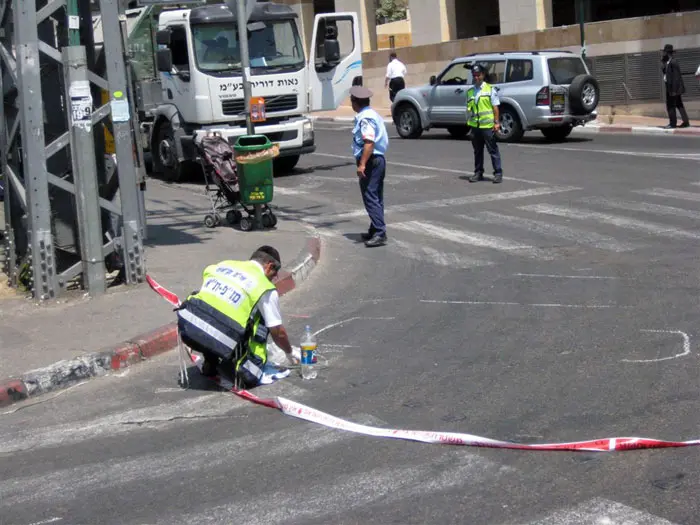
<point x="551" y="91"/>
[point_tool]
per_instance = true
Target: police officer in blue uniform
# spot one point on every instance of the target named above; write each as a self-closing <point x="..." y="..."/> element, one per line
<point x="369" y="145"/>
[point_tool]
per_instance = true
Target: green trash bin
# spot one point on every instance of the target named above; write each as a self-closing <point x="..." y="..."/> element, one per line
<point x="255" y="176"/>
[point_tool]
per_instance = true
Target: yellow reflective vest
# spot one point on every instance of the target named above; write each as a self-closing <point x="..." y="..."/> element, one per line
<point x="479" y="109"/>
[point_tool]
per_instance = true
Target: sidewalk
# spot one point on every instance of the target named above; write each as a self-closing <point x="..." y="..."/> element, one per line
<point x="44" y="347"/>
<point x="620" y="123"/>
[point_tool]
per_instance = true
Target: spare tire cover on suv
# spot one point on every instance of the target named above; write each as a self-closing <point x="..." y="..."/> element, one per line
<point x="584" y="94"/>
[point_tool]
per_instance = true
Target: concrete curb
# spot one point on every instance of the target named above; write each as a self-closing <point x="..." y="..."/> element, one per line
<point x="590" y="128"/>
<point x="65" y="373"/>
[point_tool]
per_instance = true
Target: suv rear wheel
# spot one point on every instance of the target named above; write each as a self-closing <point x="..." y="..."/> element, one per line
<point x="408" y="124"/>
<point x="557" y="134"/>
<point x="511" y="128"/>
<point x="584" y="94"/>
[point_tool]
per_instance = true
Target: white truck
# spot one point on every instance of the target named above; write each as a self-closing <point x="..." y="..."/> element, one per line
<point x="187" y="73"/>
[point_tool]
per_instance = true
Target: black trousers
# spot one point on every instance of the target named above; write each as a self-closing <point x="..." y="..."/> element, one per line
<point x="485" y="137"/>
<point x="396" y="85"/>
<point x="673" y="102"/>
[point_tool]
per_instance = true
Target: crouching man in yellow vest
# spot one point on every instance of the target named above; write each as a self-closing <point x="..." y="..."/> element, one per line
<point x="483" y="115"/>
<point x="230" y="318"/>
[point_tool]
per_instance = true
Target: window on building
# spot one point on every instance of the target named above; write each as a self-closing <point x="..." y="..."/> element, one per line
<point x="455" y="75"/>
<point x="519" y="70"/>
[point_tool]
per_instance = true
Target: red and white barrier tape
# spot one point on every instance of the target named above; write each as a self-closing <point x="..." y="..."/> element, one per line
<point x="297" y="410"/>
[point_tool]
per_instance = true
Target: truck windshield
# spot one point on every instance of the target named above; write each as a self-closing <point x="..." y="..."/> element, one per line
<point x="272" y="45"/>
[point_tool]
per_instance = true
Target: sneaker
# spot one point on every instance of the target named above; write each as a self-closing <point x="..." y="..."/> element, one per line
<point x="685" y="125"/>
<point x="376" y="240"/>
<point x="497" y="179"/>
<point x="476" y="178"/>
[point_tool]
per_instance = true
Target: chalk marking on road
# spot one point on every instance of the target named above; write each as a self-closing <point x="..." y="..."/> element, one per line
<point x="644" y="207"/>
<point x="578" y="236"/>
<point x="431" y="168"/>
<point x="431" y="255"/>
<point x="340" y="323"/>
<point x="453" y="202"/>
<point x="674" y="194"/>
<point x="46" y="521"/>
<point x="599" y="511"/>
<point x="615" y="220"/>
<point x="553" y="276"/>
<point x="685" y="352"/>
<point x="534" y="305"/>
<point x="473" y="239"/>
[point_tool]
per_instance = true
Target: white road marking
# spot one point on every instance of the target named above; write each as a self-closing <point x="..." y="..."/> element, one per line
<point x="453" y="202"/>
<point x="430" y="168"/>
<point x="392" y="179"/>
<point x="46" y="521"/>
<point x="473" y="239"/>
<point x="566" y="276"/>
<point x="440" y="258"/>
<point x="685" y="352"/>
<point x="534" y="305"/>
<point x="599" y="511"/>
<point x="615" y="220"/>
<point x="674" y="194"/>
<point x="648" y="154"/>
<point x="578" y="236"/>
<point x="644" y="207"/>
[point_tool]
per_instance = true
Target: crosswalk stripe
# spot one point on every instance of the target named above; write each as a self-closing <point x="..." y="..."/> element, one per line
<point x="576" y="235"/>
<point x="440" y="258"/>
<point x="615" y="220"/>
<point x="598" y="511"/>
<point x="674" y="194"/>
<point x="325" y="502"/>
<point x="457" y="201"/>
<point x="473" y="239"/>
<point x="644" y="207"/>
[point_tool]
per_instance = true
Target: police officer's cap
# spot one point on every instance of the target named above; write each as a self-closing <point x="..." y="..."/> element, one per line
<point x="360" y="92"/>
<point x="476" y="68"/>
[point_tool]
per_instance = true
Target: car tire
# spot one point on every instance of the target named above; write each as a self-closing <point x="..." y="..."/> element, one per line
<point x="459" y="132"/>
<point x="511" y="128"/>
<point x="408" y="124"/>
<point x="557" y="134"/>
<point x="165" y="158"/>
<point x="284" y="165"/>
<point x="584" y="94"/>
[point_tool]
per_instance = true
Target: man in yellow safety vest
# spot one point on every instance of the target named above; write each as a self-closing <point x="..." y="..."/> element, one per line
<point x="230" y="318"/>
<point x="483" y="119"/>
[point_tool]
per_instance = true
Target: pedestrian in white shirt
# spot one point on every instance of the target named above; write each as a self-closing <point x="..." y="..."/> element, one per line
<point x="395" y="73"/>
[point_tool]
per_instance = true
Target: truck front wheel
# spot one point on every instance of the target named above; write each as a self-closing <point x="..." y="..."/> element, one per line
<point x="164" y="155"/>
<point x="284" y="165"/>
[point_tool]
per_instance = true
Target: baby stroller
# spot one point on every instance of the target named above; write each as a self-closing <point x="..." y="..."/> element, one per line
<point x="221" y="185"/>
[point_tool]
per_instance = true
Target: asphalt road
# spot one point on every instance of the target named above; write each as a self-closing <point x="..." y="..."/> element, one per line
<point x="558" y="306"/>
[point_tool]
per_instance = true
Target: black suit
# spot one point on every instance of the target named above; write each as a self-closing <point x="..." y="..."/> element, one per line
<point x="674" y="89"/>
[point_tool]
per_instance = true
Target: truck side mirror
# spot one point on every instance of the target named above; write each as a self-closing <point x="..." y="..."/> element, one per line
<point x="331" y="49"/>
<point x="164" y="60"/>
<point x="163" y="37"/>
<point x="433" y="80"/>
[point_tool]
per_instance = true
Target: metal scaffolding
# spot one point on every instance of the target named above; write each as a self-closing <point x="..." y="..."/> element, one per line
<point x="74" y="178"/>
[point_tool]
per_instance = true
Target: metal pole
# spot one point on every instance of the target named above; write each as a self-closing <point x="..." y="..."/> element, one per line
<point x="242" y="19"/>
<point x="582" y="25"/>
<point x="73" y="22"/>
<point x="42" y="256"/>
<point x="123" y="141"/>
<point x="82" y="147"/>
<point x="9" y="247"/>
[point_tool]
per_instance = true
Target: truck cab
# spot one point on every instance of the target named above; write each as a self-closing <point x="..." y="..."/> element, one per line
<point x="199" y="65"/>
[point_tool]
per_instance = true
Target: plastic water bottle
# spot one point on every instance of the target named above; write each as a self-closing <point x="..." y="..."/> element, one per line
<point x="308" y="355"/>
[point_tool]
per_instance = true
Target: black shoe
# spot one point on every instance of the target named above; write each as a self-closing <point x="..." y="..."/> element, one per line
<point x="476" y="178"/>
<point x="209" y="369"/>
<point x="497" y="179"/>
<point x="367" y="236"/>
<point x="670" y="126"/>
<point x="376" y="240"/>
<point x="685" y="125"/>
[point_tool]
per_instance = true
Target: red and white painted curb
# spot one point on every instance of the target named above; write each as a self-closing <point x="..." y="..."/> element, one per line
<point x="66" y="373"/>
<point x="299" y="411"/>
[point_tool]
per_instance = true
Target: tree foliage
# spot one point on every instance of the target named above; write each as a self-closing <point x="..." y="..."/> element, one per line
<point x="390" y="11"/>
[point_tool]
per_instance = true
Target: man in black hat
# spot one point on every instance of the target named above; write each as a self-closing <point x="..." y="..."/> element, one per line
<point x="483" y="118"/>
<point x="673" y="80"/>
<point x="370" y="141"/>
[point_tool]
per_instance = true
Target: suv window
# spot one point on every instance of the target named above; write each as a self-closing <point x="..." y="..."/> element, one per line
<point x="495" y="70"/>
<point x="518" y="70"/>
<point x="455" y="75"/>
<point x="563" y="70"/>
